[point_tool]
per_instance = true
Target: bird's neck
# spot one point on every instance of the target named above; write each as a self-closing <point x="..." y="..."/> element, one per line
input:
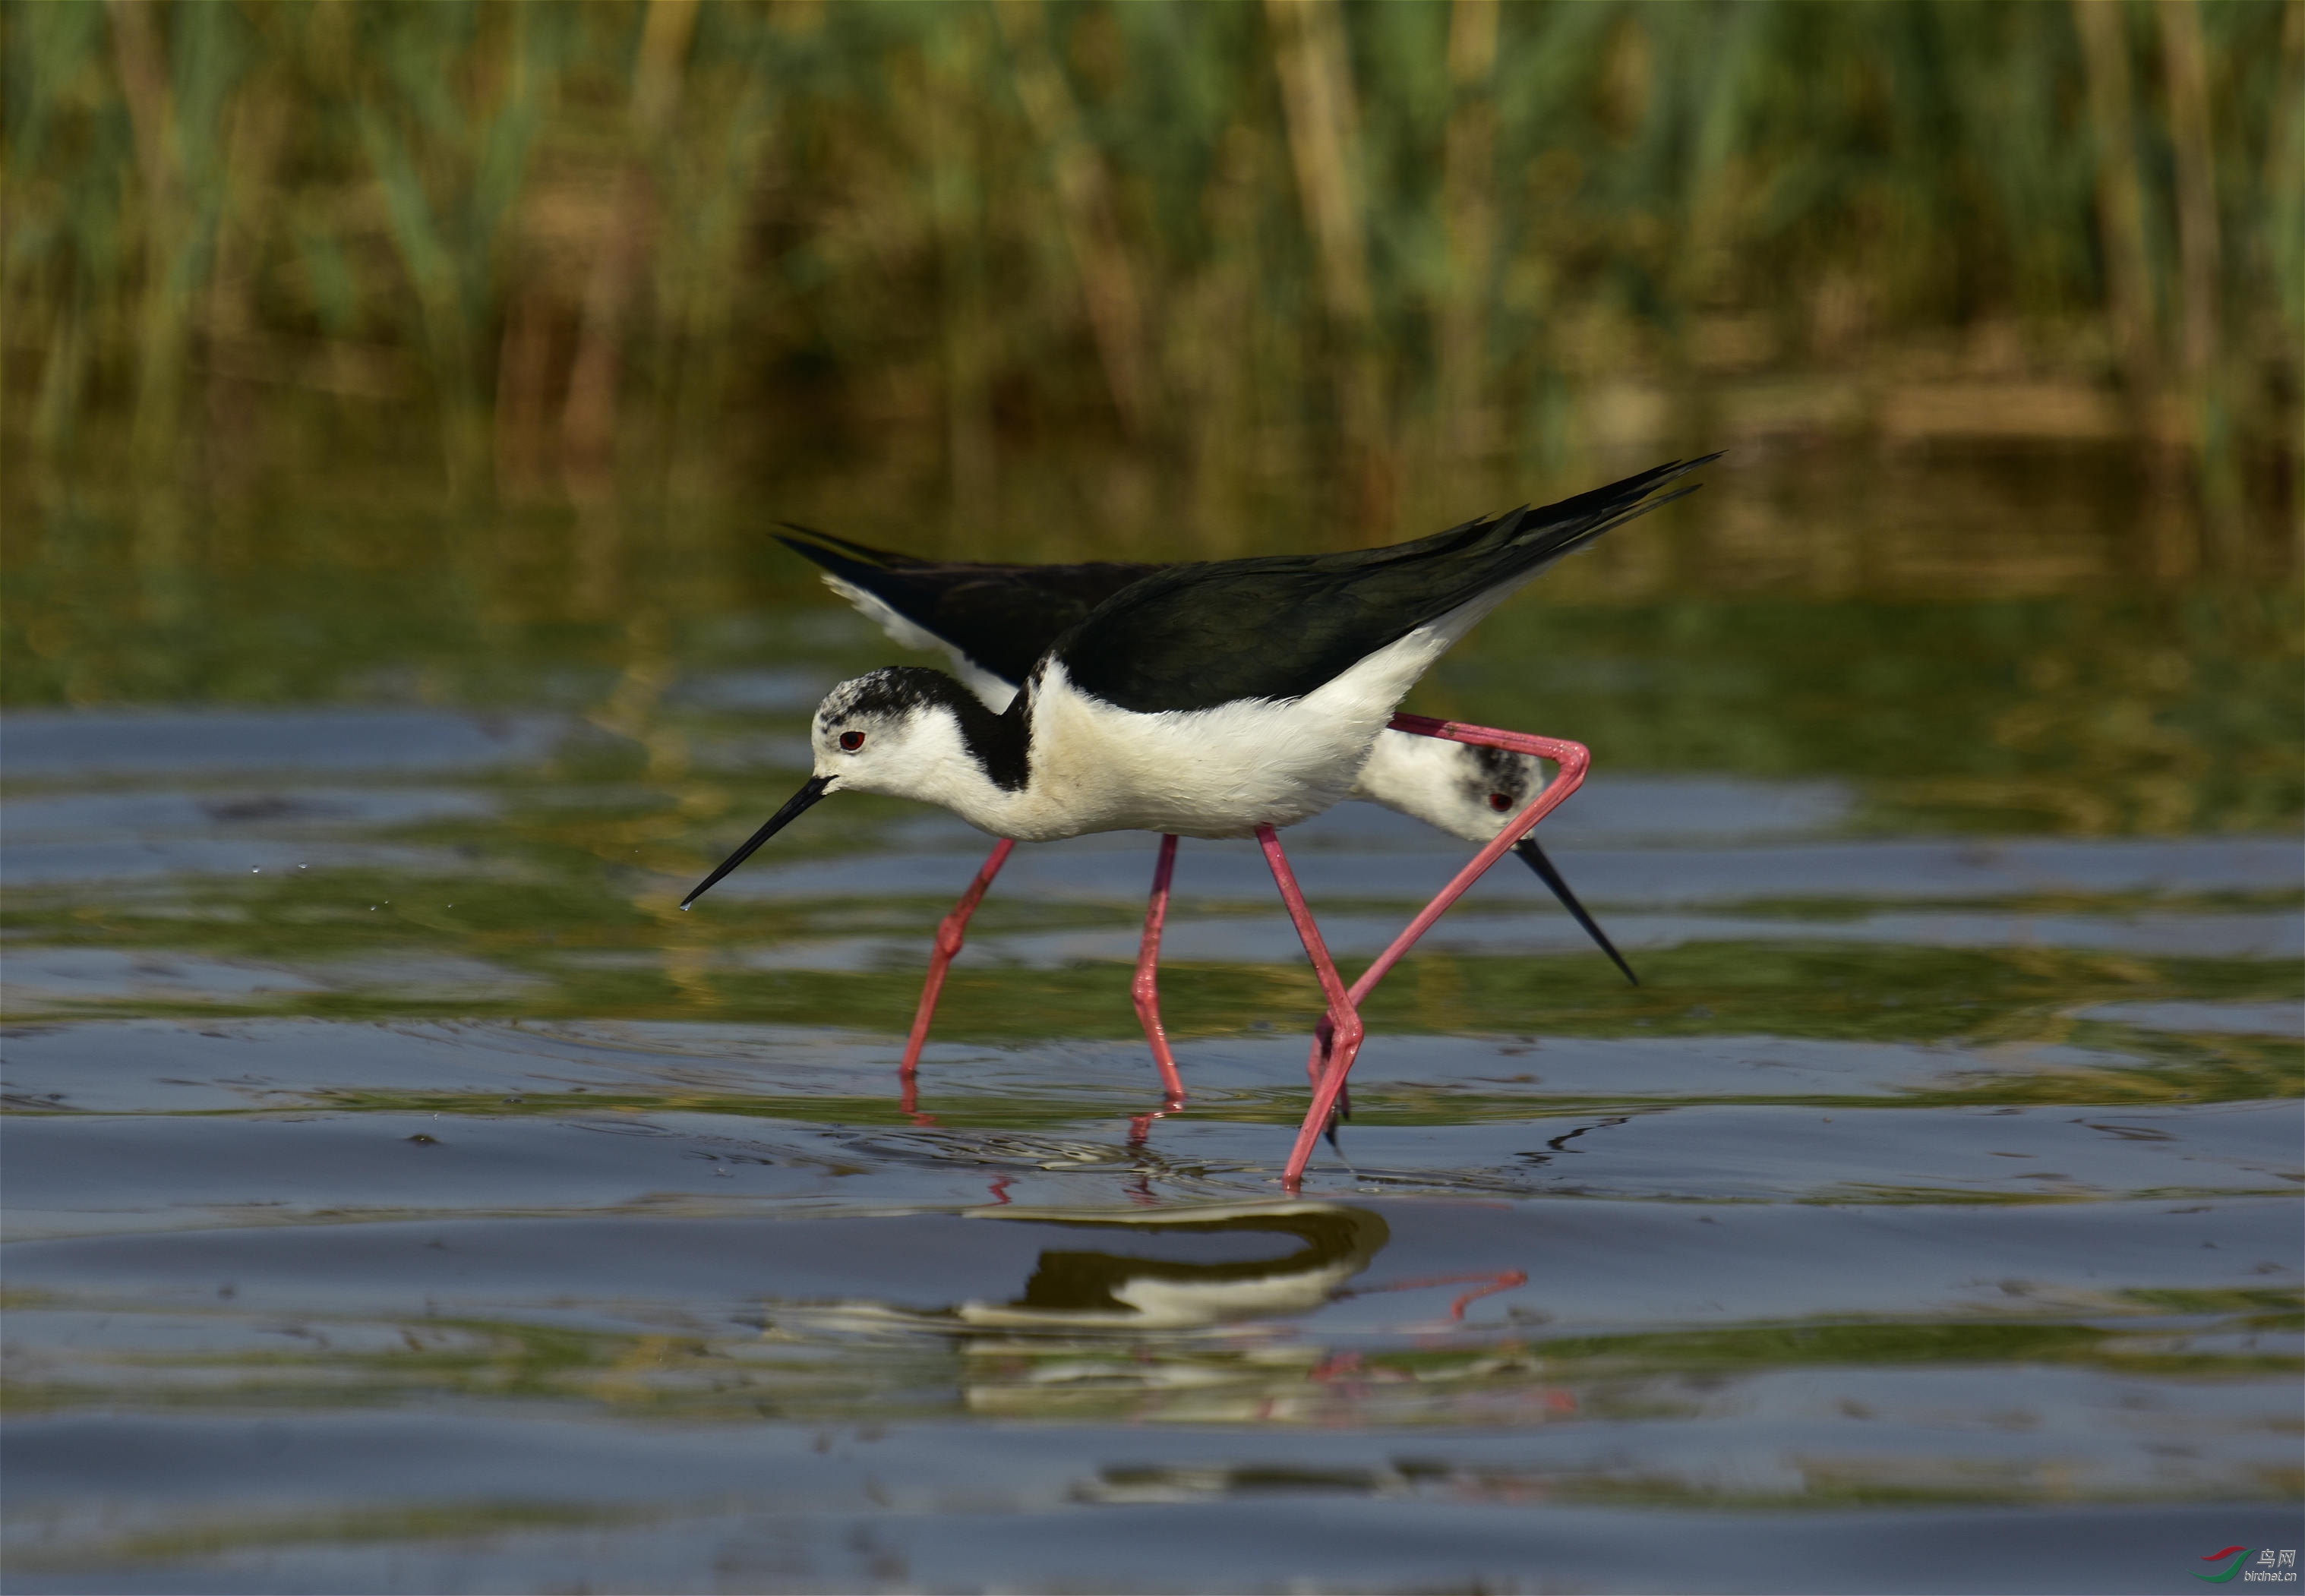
<point x="978" y="764"/>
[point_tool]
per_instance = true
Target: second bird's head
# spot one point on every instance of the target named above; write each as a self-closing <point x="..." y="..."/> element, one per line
<point x="905" y="731"/>
<point x="1466" y="789"/>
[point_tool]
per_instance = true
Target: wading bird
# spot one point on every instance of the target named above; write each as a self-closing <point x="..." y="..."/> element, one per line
<point x="995" y="621"/>
<point x="1222" y="699"/>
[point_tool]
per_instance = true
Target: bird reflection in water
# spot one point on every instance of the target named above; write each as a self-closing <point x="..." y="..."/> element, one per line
<point x="1181" y="1314"/>
<point x="1139" y="1289"/>
<point x="1184" y="1313"/>
<point x="1180" y="1285"/>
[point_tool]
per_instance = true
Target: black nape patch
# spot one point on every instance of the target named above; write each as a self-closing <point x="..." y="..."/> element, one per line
<point x="1000" y="744"/>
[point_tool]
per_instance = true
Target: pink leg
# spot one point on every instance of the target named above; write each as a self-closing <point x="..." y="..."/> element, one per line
<point x="1573" y="759"/>
<point x="1146" y="988"/>
<point x="951" y="932"/>
<point x="1344" y="1020"/>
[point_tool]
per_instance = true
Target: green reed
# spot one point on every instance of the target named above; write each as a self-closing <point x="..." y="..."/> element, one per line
<point x="1232" y="243"/>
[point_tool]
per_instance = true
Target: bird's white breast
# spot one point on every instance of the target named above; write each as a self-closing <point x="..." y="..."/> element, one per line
<point x="1216" y="772"/>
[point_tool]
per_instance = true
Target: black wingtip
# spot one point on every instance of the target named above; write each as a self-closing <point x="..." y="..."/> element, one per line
<point x="840" y="554"/>
<point x="1631" y="492"/>
<point x="1621" y="501"/>
<point x="1534" y="857"/>
<point x="1539" y="537"/>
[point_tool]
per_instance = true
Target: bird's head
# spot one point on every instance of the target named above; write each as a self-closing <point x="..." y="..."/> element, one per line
<point x="1491" y="786"/>
<point x="905" y="731"/>
<point x="892" y="731"/>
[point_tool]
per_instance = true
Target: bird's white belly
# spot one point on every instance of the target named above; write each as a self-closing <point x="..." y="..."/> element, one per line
<point x="1212" y="773"/>
<point x="1197" y="773"/>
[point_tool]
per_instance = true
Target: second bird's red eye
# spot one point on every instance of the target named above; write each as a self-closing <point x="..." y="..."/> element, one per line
<point x="1500" y="802"/>
<point x="852" y="741"/>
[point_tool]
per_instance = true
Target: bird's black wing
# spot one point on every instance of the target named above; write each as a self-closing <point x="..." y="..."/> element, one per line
<point x="1002" y="617"/>
<point x="1192" y="637"/>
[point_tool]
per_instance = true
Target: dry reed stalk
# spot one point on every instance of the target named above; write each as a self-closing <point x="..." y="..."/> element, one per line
<point x="163" y="324"/>
<point x="703" y="276"/>
<point x="588" y="420"/>
<point x="2200" y="275"/>
<point x="64" y="373"/>
<point x="523" y="384"/>
<point x="1214" y="347"/>
<point x="1316" y="95"/>
<point x="2119" y="199"/>
<point x="447" y="116"/>
<point x="2199" y="253"/>
<point x="431" y="263"/>
<point x="952" y="61"/>
<point x="1088" y="215"/>
<point x="1468" y="209"/>
<point x="259" y="129"/>
<point x="2284" y="186"/>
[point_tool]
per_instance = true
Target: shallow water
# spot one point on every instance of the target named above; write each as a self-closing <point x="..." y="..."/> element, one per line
<point x="402" y="1194"/>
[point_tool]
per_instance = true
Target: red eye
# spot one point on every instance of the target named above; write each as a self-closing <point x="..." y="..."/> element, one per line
<point x="852" y="741"/>
<point x="1500" y="802"/>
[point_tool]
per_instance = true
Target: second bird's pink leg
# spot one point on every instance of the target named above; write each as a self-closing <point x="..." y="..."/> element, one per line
<point x="1344" y="1020"/>
<point x="1573" y="759"/>
<point x="1146" y="988"/>
<point x="951" y="932"/>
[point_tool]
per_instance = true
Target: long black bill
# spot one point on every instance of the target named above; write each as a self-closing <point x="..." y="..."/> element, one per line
<point x="810" y="791"/>
<point x="1535" y="857"/>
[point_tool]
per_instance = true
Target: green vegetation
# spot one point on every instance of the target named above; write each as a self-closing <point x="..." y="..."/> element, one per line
<point x="1233" y="248"/>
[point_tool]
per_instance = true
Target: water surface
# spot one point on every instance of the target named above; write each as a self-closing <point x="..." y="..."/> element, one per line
<point x="402" y="1193"/>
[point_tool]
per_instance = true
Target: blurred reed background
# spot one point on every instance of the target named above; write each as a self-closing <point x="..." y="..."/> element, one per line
<point x="1218" y="249"/>
<point x="466" y="352"/>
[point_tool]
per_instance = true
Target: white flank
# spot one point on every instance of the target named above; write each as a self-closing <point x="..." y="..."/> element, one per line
<point x="1212" y="773"/>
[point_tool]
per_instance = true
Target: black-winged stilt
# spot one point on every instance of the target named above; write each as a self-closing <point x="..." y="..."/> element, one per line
<point x="1222" y="699"/>
<point x="993" y="621"/>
